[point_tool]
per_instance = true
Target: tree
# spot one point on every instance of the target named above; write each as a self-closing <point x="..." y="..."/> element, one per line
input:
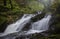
<point x="10" y="2"/>
<point x="5" y="2"/>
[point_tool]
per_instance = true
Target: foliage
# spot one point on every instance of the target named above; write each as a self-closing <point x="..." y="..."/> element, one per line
<point x="56" y="13"/>
<point x="31" y="7"/>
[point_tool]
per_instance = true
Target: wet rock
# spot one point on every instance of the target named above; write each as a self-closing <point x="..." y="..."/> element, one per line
<point x="27" y="27"/>
<point x="38" y="17"/>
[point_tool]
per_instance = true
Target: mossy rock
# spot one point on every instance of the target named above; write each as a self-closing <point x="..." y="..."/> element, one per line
<point x="3" y="23"/>
<point x="38" y="17"/>
<point x="2" y="19"/>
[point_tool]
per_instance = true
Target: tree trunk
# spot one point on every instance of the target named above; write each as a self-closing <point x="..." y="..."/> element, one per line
<point x="11" y="4"/>
<point x="5" y="2"/>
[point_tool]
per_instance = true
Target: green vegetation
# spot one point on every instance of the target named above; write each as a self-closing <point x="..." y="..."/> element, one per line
<point x="31" y="7"/>
<point x="56" y="36"/>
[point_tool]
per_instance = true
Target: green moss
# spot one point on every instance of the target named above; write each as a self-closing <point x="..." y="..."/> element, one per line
<point x="2" y="19"/>
<point x="53" y="36"/>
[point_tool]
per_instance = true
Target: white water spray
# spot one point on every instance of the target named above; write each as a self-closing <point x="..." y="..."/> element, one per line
<point x="17" y="26"/>
<point x="40" y="26"/>
<point x="36" y="27"/>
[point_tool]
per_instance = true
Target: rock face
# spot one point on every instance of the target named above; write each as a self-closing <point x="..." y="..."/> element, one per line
<point x="38" y="17"/>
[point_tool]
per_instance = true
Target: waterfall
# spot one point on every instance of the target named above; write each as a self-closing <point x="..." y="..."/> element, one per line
<point x="17" y="26"/>
<point x="36" y="27"/>
<point x="40" y="26"/>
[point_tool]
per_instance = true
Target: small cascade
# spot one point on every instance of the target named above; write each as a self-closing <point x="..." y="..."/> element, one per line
<point x="17" y="26"/>
<point x="40" y="26"/>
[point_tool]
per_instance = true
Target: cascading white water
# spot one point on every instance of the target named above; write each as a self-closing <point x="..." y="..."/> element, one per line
<point x="15" y="27"/>
<point x="40" y="26"/>
<point x="36" y="27"/>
